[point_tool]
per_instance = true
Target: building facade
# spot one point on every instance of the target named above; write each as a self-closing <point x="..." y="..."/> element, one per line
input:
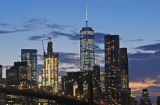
<point x="50" y="70"/>
<point x="30" y="56"/>
<point x="112" y="68"/>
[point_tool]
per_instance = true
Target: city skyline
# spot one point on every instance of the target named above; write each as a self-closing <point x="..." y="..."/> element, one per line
<point x="23" y="26"/>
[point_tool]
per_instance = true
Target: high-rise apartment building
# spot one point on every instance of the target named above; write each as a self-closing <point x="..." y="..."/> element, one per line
<point x="30" y="56"/>
<point x="86" y="47"/>
<point x="112" y="68"/>
<point x="145" y="100"/>
<point x="50" y="70"/>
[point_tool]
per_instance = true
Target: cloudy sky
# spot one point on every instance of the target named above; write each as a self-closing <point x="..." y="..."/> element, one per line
<point x="23" y="23"/>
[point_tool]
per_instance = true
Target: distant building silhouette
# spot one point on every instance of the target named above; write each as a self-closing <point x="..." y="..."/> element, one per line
<point x="145" y="100"/>
<point x="50" y="70"/>
<point x="2" y="98"/>
<point x="30" y="56"/>
<point x="158" y="100"/>
<point x="1" y="72"/>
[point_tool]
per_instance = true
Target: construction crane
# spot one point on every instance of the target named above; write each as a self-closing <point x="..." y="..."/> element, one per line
<point x="43" y="47"/>
<point x="47" y="37"/>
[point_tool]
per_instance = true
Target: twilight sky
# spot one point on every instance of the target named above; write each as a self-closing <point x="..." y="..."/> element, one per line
<point x="23" y="23"/>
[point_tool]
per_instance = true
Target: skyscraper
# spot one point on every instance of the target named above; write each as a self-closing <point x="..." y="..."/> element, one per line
<point x="30" y="56"/>
<point x="86" y="47"/>
<point x="125" y="90"/>
<point x="50" y="70"/>
<point x="124" y="68"/>
<point x="112" y="69"/>
<point x="145" y="100"/>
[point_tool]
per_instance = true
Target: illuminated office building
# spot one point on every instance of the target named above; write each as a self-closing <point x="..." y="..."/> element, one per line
<point x="112" y="69"/>
<point x="86" y="47"/>
<point x="145" y="100"/>
<point x="30" y="56"/>
<point x="50" y="70"/>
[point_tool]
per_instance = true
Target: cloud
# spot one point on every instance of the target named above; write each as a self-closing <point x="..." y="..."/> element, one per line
<point x="99" y="37"/>
<point x="33" y="23"/>
<point x="12" y="31"/>
<point x="143" y="65"/>
<point x="144" y="56"/>
<point x="151" y="47"/>
<point x="97" y="49"/>
<point x="137" y="40"/>
<point x="69" y="58"/>
<point x="4" y="25"/>
<point x="36" y="37"/>
<point x="145" y="83"/>
<point x="57" y="26"/>
<point x="36" y="21"/>
<point x="71" y="36"/>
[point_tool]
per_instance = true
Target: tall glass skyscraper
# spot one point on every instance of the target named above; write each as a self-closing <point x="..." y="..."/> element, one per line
<point x="86" y="47"/>
<point x="30" y="56"/>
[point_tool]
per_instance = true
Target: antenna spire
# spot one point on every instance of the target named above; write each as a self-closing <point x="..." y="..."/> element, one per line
<point x="86" y="13"/>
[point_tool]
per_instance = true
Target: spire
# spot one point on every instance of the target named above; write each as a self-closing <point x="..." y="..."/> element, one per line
<point x="86" y="13"/>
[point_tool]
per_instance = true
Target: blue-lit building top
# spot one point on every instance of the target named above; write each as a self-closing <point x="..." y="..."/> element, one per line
<point x="30" y="56"/>
<point x="86" y="49"/>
